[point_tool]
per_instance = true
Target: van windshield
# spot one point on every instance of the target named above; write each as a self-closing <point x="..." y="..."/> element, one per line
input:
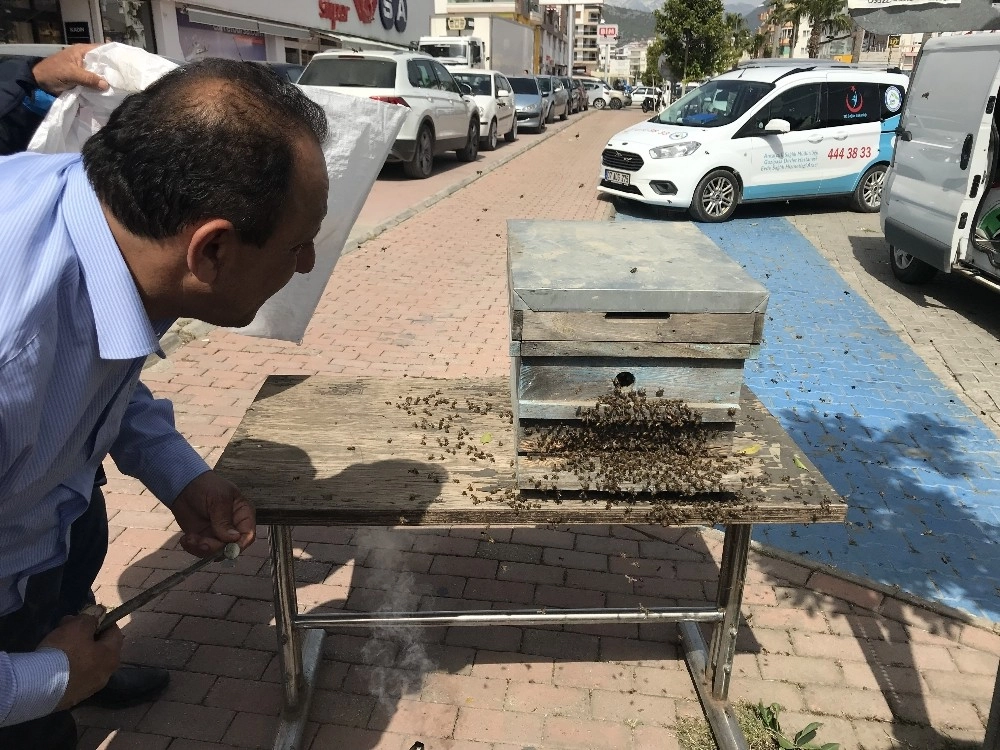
<point x="714" y="104"/>
<point x="444" y="50"/>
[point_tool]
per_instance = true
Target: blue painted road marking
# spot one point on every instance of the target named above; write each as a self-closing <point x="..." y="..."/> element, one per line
<point x="919" y="470"/>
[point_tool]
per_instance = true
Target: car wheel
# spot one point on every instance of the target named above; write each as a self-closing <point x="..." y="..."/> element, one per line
<point x="908" y="269"/>
<point x="867" y="196"/>
<point x="491" y="137"/>
<point x="541" y="124"/>
<point x="716" y="197"/>
<point x="511" y="135"/>
<point x="550" y="116"/>
<point x="471" y="149"/>
<point x="565" y="114"/>
<point x="422" y="163"/>
<point x="600" y="103"/>
<point x="615" y="104"/>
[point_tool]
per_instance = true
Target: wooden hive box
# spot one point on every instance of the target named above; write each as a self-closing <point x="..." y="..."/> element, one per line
<point x="602" y="307"/>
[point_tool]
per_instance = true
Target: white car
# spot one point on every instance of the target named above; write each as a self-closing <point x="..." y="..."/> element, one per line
<point x="442" y="116"/>
<point x="762" y="133"/>
<point x="600" y="96"/>
<point x="495" y="100"/>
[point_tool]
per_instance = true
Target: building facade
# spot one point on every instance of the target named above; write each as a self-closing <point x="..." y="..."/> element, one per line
<point x="586" y="45"/>
<point x="290" y="31"/>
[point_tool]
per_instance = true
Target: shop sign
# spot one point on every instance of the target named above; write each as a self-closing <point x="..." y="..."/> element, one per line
<point x="393" y="14"/>
<point x="333" y="12"/>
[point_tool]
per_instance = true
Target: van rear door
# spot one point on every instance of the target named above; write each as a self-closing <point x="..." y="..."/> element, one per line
<point x="940" y="161"/>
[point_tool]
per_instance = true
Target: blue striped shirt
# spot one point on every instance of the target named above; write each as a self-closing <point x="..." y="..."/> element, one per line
<point x="73" y="339"/>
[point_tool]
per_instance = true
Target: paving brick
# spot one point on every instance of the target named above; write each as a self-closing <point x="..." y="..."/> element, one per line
<point x="573" y="559"/>
<point x="800" y="669"/>
<point x="548" y="700"/>
<point x="851" y="703"/>
<point x="188" y="687"/>
<point x="464" y="566"/>
<point x="658" y="737"/>
<point x="462" y="690"/>
<point x="245" y="695"/>
<point x="211" y="631"/>
<point x="157" y="652"/>
<point x="195" y="603"/>
<point x="186" y="721"/>
<point x="974" y="662"/>
<point x="496" y="637"/>
<point x="846" y="590"/>
<point x="252" y="730"/>
<point x="560" y="597"/>
<point x="544" y="537"/>
<point x="575" y="733"/>
<point x="598" y="675"/>
<point x="121" y="739"/>
<point x="416" y="719"/>
<point x="503" y="665"/>
<point x="630" y="708"/>
<point x="824" y="646"/>
<point x="230" y="662"/>
<point x="959" y="686"/>
<point x="502" y="592"/>
<point x="341" y="708"/>
<point x="497" y="726"/>
<point x="560" y="645"/>
<point x="125" y="719"/>
<point x="528" y="573"/>
<point x="607" y="545"/>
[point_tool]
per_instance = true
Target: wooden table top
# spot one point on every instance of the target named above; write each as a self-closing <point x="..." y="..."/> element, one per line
<point x="351" y="451"/>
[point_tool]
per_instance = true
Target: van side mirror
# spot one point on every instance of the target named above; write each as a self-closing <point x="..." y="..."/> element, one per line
<point x="777" y="127"/>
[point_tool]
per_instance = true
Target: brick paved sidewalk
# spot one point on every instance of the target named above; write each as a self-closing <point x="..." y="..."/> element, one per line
<point x="428" y="298"/>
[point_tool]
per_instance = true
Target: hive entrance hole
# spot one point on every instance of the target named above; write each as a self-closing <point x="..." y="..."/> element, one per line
<point x="624" y="380"/>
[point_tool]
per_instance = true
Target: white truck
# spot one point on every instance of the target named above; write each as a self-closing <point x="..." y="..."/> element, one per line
<point x="506" y="46"/>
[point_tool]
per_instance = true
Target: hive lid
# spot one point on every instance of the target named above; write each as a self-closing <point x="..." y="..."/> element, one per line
<point x="586" y="266"/>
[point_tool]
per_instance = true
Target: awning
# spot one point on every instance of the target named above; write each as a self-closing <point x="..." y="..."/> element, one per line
<point x="214" y="18"/>
<point x="349" y="40"/>
<point x="910" y="17"/>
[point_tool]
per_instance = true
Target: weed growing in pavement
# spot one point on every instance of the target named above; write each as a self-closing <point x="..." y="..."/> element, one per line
<point x="760" y="728"/>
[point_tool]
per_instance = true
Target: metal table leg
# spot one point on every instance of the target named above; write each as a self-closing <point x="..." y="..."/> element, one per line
<point x="298" y="655"/>
<point x="711" y="670"/>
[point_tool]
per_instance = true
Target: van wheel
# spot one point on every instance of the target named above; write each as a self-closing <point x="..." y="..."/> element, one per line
<point x="471" y="150"/>
<point x="491" y="137"/>
<point x="422" y="163"/>
<point x="867" y="196"/>
<point x="600" y="103"/>
<point x="716" y="197"/>
<point x="908" y="269"/>
<point x="615" y="104"/>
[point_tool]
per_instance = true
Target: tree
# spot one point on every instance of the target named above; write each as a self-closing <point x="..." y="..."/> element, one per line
<point x="826" y="15"/>
<point x="784" y="12"/>
<point x="695" y="38"/>
<point x="759" y="45"/>
<point x="652" y="72"/>
<point x="740" y="38"/>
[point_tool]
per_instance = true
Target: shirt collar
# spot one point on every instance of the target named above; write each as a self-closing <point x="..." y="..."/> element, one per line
<point x="123" y="327"/>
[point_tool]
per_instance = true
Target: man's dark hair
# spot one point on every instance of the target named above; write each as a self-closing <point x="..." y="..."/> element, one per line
<point x="213" y="138"/>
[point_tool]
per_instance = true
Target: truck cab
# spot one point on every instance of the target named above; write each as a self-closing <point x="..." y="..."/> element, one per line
<point x="455" y="51"/>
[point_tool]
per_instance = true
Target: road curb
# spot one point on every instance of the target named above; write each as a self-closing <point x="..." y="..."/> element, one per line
<point x="187" y="329"/>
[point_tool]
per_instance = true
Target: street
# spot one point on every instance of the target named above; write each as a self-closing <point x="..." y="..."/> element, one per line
<point x="887" y="389"/>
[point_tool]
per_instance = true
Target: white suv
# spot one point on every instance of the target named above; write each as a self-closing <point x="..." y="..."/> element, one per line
<point x="442" y="116"/>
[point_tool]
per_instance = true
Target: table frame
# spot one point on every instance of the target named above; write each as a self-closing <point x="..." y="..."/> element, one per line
<point x="300" y="636"/>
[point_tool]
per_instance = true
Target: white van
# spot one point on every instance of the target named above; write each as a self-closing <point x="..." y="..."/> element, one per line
<point x="759" y="133"/>
<point x="941" y="208"/>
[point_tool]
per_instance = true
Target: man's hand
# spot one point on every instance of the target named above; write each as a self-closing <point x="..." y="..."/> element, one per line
<point x="91" y="662"/>
<point x="64" y="70"/>
<point x="212" y="513"/>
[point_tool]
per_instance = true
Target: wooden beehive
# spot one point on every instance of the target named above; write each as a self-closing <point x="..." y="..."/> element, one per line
<point x="598" y="308"/>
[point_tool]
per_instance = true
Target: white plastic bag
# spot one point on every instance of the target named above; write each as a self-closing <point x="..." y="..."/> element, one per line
<point x="361" y="132"/>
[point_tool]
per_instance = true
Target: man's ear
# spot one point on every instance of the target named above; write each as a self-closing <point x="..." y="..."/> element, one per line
<point x="212" y="245"/>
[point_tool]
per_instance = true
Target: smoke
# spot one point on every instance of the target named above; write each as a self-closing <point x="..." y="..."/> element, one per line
<point x="390" y="644"/>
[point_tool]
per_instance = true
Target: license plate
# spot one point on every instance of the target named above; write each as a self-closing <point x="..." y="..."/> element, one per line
<point x="619" y="178"/>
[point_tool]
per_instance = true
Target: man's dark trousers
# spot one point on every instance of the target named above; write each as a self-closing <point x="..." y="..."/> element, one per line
<point x="49" y="597"/>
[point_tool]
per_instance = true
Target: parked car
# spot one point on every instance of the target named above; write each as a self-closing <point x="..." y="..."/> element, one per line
<point x="557" y="97"/>
<point x="762" y="133"/>
<point x="530" y="106"/>
<point x="574" y="95"/>
<point x="600" y="96"/>
<point x="581" y="92"/>
<point x="441" y="116"/>
<point x="289" y="71"/>
<point x="641" y="92"/>
<point x="495" y="99"/>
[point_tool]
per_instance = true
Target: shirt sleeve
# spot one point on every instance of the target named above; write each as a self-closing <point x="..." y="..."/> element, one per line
<point x="151" y="449"/>
<point x="31" y="685"/>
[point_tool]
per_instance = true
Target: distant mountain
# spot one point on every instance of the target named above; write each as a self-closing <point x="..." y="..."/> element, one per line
<point x="734" y="6"/>
<point x="634" y="25"/>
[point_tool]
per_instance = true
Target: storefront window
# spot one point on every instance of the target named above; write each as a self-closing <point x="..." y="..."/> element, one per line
<point x="200" y="40"/>
<point x="31" y="22"/>
<point x="129" y="22"/>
